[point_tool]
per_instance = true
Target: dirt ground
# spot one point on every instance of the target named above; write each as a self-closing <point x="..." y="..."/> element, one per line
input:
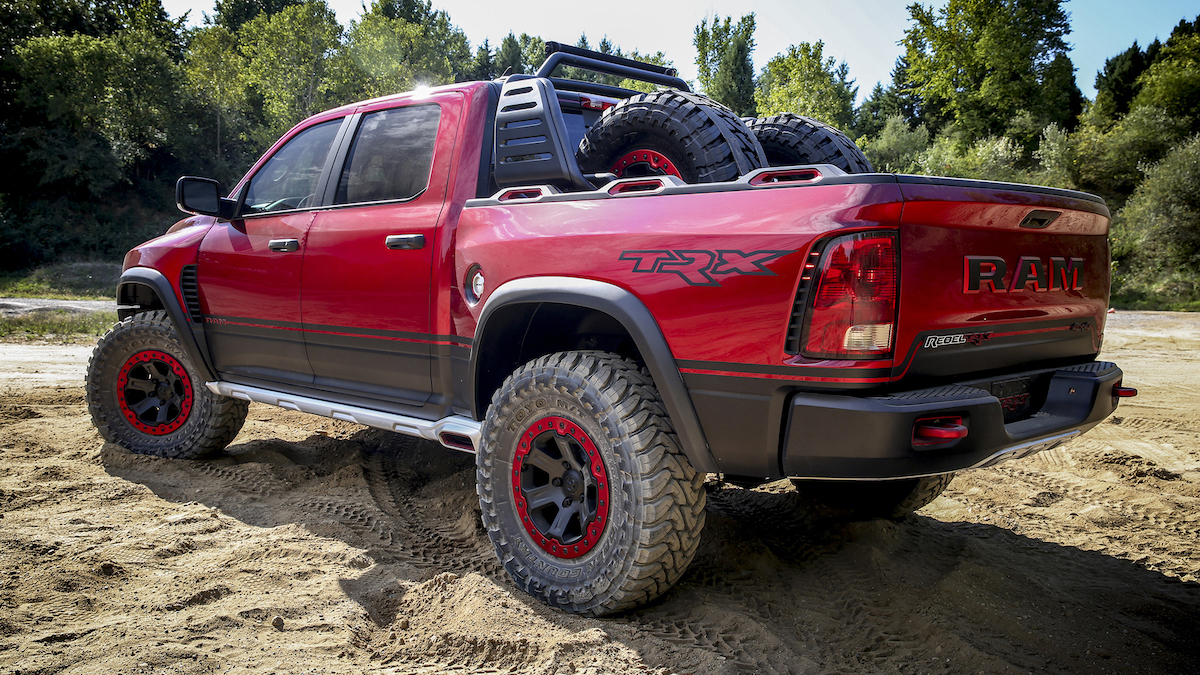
<point x="317" y="546"/>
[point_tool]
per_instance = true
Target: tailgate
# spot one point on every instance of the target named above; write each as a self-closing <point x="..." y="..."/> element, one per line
<point x="996" y="275"/>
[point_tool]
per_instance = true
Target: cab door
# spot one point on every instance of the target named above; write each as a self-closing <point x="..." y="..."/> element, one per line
<point x="248" y="269"/>
<point x="366" y="283"/>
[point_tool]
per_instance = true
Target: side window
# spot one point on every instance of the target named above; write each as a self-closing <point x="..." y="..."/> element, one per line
<point x="289" y="179"/>
<point x="391" y="155"/>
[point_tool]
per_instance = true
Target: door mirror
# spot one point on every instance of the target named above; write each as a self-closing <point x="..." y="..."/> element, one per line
<point x="202" y="196"/>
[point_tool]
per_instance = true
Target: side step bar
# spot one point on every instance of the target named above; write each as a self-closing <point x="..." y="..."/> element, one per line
<point x="455" y="432"/>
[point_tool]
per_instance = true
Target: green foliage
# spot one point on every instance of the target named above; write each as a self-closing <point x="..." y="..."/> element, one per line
<point x="991" y="158"/>
<point x="1109" y="160"/>
<point x="508" y="56"/>
<point x="394" y="55"/>
<point x="733" y="84"/>
<point x="56" y="324"/>
<point x="1116" y="83"/>
<point x="289" y="64"/>
<point x="804" y="81"/>
<point x="64" y="281"/>
<point x="897" y="147"/>
<point x="1156" y="237"/>
<point x="233" y="14"/>
<point x="1172" y="82"/>
<point x="712" y="41"/>
<point x="987" y="60"/>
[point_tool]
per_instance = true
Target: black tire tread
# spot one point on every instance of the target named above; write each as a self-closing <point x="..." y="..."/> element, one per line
<point x="221" y="418"/>
<point x="926" y="490"/>
<point x="805" y="140"/>
<point x="684" y="121"/>
<point x="669" y="500"/>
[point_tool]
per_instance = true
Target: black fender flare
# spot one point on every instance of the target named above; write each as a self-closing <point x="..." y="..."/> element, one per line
<point x="190" y="334"/>
<point x="627" y="309"/>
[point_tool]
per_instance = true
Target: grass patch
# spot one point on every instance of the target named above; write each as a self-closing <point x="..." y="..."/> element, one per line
<point x="56" y="324"/>
<point x="63" y="281"/>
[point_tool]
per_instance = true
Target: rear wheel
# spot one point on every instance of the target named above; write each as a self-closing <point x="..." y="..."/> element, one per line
<point x="144" y="394"/>
<point x="670" y="133"/>
<point x="789" y="139"/>
<point x="877" y="499"/>
<point x="589" y="501"/>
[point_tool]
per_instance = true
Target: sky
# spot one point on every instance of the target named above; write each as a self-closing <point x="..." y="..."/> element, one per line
<point x="863" y="33"/>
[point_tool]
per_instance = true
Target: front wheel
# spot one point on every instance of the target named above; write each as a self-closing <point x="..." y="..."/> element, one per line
<point x="589" y="501"/>
<point x="145" y="395"/>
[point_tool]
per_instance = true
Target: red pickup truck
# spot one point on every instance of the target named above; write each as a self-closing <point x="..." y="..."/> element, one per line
<point x="606" y="295"/>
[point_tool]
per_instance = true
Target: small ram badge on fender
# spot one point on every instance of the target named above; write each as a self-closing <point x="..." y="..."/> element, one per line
<point x="987" y="272"/>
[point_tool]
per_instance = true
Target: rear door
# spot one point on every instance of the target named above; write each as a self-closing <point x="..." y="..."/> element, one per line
<point x="366" y="287"/>
<point x="248" y="269"/>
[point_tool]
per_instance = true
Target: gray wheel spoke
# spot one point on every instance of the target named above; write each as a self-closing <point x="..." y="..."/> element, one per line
<point x="541" y="496"/>
<point x="146" y="404"/>
<point x="140" y="385"/>
<point x="560" y="523"/>
<point x="544" y="462"/>
<point x="162" y="413"/>
<point x="564" y="448"/>
<point x="160" y="370"/>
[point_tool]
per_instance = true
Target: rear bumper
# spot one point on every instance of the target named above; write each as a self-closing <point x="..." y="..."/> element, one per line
<point x="871" y="438"/>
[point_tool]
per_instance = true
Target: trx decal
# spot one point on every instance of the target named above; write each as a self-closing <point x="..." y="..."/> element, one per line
<point x="698" y="268"/>
<point x="987" y="273"/>
<point x="935" y="341"/>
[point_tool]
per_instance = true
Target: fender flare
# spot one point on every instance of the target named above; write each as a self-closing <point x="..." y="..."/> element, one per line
<point x="631" y="313"/>
<point x="191" y="335"/>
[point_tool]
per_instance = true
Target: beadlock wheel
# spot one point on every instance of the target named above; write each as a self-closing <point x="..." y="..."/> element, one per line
<point x="143" y="393"/>
<point x="154" y="392"/>
<point x="585" y="493"/>
<point x="561" y="487"/>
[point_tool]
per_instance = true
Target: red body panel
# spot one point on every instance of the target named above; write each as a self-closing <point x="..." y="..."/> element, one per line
<point x="734" y="317"/>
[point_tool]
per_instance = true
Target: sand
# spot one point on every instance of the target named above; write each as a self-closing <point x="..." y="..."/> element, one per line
<point x="317" y="546"/>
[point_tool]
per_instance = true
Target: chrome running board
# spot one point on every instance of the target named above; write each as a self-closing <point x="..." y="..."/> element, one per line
<point x="455" y="432"/>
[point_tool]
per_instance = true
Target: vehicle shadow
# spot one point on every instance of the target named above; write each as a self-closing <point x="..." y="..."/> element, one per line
<point x="778" y="584"/>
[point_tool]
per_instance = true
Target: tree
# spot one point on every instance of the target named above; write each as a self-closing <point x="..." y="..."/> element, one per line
<point x="712" y="41"/>
<point x="1116" y="83"/>
<point x="508" y="56"/>
<point x="483" y="67"/>
<point x="985" y="60"/>
<point x="733" y="84"/>
<point x="393" y="54"/>
<point x="804" y="81"/>
<point x="1173" y="81"/>
<point x="290" y="61"/>
<point x="216" y="73"/>
<point x="533" y="51"/>
<point x="233" y="14"/>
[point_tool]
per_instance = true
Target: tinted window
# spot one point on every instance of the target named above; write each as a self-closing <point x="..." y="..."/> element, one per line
<point x="391" y="155"/>
<point x="289" y="179"/>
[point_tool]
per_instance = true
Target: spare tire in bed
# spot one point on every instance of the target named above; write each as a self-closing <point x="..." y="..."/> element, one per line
<point x="789" y="139"/>
<point x="672" y="133"/>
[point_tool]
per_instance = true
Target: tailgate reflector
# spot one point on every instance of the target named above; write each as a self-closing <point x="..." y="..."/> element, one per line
<point x="853" y="309"/>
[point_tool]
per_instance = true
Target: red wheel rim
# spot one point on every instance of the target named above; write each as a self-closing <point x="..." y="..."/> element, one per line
<point x="560" y="487"/>
<point x="644" y="162"/>
<point x="154" y="392"/>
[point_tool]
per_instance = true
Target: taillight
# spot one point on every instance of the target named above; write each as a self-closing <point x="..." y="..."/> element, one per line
<point x="853" y="310"/>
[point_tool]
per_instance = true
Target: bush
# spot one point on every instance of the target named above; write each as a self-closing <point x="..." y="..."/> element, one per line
<point x="993" y="158"/>
<point x="1156" y="236"/>
<point x="897" y="147"/>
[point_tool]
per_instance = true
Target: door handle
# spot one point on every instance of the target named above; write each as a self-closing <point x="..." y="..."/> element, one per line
<point x="405" y="242"/>
<point x="284" y="245"/>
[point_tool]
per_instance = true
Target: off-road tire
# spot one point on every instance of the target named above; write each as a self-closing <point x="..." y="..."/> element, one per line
<point x="789" y="139"/>
<point x="704" y="141"/>
<point x="656" y="505"/>
<point x="892" y="499"/>
<point x="210" y="423"/>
